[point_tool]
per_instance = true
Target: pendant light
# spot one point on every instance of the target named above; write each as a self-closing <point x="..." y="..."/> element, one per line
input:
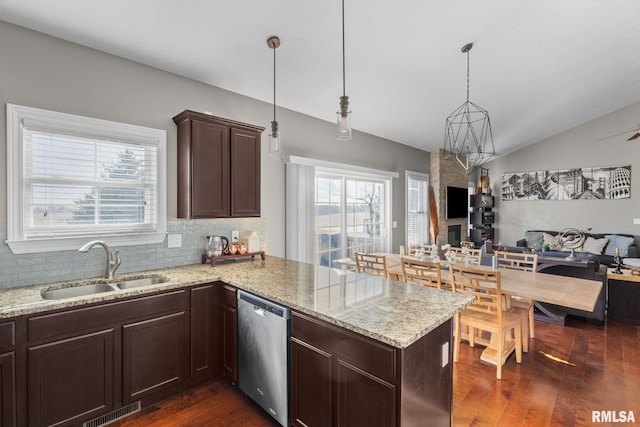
<point x="468" y="136"/>
<point x="275" y="138"/>
<point x="344" y="115"/>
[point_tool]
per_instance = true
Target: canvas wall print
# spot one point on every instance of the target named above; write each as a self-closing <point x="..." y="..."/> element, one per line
<point x="611" y="182"/>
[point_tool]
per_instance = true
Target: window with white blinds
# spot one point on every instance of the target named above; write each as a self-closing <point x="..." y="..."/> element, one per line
<point x="417" y="207"/>
<point x="76" y="178"/>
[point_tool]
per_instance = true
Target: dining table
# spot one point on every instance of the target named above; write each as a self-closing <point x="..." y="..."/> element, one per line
<point x="573" y="292"/>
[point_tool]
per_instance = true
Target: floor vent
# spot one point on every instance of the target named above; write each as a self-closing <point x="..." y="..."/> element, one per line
<point x="113" y="416"/>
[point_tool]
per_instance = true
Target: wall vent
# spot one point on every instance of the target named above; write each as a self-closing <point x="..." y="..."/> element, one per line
<point x="113" y="416"/>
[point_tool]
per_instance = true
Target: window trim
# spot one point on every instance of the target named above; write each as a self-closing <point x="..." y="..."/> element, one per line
<point x="16" y="115"/>
<point x="424" y="177"/>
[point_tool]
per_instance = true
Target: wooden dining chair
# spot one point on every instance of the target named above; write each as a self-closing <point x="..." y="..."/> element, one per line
<point x="474" y="254"/>
<point x="429" y="250"/>
<point x="374" y="265"/>
<point x="486" y="313"/>
<point x="524" y="262"/>
<point x="425" y="273"/>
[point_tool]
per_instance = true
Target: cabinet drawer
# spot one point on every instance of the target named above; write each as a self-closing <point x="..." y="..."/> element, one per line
<point x="85" y="319"/>
<point x="367" y="354"/>
<point x="229" y="295"/>
<point x="7" y="335"/>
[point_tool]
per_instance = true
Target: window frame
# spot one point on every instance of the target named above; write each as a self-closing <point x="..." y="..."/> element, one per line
<point x="102" y="129"/>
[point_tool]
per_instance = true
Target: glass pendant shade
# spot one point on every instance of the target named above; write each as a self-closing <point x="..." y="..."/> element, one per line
<point x="344" y="119"/>
<point x="274" y="139"/>
<point x="344" y="126"/>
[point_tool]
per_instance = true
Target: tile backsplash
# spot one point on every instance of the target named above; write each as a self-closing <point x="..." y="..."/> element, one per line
<point x="48" y="267"/>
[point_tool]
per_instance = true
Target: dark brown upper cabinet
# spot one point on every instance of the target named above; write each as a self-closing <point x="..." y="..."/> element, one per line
<point x="218" y="167"/>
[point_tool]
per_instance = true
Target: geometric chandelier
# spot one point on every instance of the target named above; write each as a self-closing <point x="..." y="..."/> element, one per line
<point x="468" y="136"/>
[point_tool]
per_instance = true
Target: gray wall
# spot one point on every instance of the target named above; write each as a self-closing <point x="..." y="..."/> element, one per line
<point x="578" y="147"/>
<point x="45" y="72"/>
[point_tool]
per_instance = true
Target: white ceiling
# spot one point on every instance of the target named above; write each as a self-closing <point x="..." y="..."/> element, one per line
<point x="539" y="67"/>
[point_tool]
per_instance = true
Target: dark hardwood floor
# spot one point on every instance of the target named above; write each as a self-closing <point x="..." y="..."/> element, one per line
<point x="569" y="372"/>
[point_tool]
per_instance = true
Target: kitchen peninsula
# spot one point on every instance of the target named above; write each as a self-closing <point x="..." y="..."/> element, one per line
<point x="362" y="348"/>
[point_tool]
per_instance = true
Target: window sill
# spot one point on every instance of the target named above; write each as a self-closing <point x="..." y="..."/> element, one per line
<point x="74" y="243"/>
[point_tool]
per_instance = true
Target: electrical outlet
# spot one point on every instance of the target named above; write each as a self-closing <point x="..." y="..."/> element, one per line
<point x="445" y="354"/>
<point x="235" y="235"/>
<point x="636" y="221"/>
<point x="174" y="241"/>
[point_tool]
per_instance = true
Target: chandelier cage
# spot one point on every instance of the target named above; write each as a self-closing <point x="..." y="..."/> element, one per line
<point x="468" y="137"/>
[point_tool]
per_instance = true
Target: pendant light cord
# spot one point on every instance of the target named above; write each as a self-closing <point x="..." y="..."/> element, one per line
<point x="274" y="84"/>
<point x="467" y="74"/>
<point x="344" y="93"/>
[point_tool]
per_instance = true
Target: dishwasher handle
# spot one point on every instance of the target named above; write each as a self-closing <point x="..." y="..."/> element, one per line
<point x="257" y="310"/>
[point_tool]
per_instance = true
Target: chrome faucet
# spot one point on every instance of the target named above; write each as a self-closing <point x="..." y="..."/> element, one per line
<point x="113" y="259"/>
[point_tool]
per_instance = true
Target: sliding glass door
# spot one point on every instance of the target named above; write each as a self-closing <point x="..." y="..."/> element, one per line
<point x="351" y="215"/>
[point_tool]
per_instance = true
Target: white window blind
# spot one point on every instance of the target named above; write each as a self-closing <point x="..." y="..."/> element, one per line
<point x="76" y="178"/>
<point x="417" y="207"/>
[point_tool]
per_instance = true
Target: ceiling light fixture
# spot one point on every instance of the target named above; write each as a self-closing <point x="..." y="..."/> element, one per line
<point x="344" y="115"/>
<point x="468" y="136"/>
<point x="275" y="139"/>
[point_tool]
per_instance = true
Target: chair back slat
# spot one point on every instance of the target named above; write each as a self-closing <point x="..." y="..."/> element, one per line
<point x="483" y="285"/>
<point x="425" y="273"/>
<point x="475" y="255"/>
<point x="374" y="265"/>
<point x="428" y="250"/>
<point x="517" y="261"/>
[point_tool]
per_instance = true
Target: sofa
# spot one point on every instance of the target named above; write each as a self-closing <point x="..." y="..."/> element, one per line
<point x="602" y="245"/>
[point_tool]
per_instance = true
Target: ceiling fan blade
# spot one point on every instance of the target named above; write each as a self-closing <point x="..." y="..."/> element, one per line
<point x="622" y="133"/>
<point x="634" y="136"/>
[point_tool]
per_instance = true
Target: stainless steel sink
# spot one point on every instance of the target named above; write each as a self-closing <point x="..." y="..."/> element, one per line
<point x="98" y="288"/>
<point x="136" y="283"/>
<point x="77" y="291"/>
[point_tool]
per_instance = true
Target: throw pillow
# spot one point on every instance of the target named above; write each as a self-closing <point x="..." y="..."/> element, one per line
<point x="594" y="246"/>
<point x="534" y="239"/>
<point x="555" y="244"/>
<point x="617" y="241"/>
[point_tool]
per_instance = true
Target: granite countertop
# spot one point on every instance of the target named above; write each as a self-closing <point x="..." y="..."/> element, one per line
<point x="394" y="313"/>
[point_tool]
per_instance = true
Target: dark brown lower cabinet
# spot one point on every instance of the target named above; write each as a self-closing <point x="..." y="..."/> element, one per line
<point x="7" y="389"/>
<point x="85" y="362"/>
<point x="7" y="374"/>
<point x="311" y="385"/>
<point x="153" y="356"/>
<point x="342" y="378"/>
<point x="71" y="380"/>
<point x="203" y="362"/>
<point x="229" y="330"/>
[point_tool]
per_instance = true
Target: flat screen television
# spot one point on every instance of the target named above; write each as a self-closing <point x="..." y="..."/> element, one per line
<point x="457" y="202"/>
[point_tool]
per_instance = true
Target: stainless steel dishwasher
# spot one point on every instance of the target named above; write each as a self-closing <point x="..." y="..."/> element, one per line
<point x="263" y="353"/>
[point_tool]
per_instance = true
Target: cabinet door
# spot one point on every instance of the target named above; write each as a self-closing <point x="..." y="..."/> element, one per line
<point x="357" y="390"/>
<point x="245" y="173"/>
<point x="153" y="356"/>
<point x="202" y="331"/>
<point x="210" y="173"/>
<point x="230" y="342"/>
<point x="311" y="382"/>
<point x="7" y="390"/>
<point x="71" y="380"/>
